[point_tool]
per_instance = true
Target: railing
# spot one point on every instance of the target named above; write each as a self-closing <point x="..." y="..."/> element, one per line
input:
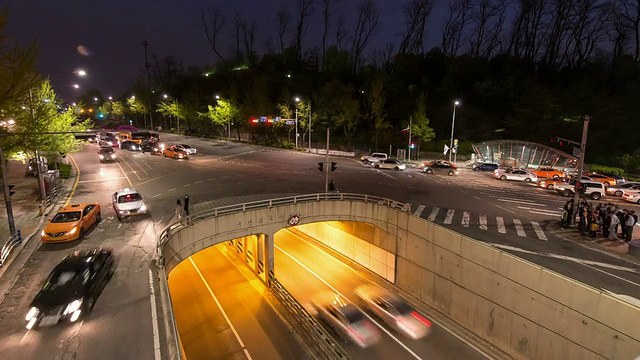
<point x="13" y="241"/>
<point x="49" y="199"/>
<point x="318" y="341"/>
<point x="235" y="208"/>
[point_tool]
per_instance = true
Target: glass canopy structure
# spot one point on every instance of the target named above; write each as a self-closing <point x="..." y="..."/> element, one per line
<point x="523" y="154"/>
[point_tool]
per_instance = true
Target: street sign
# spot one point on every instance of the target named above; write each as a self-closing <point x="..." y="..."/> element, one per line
<point x="263" y="119"/>
<point x="290" y="122"/>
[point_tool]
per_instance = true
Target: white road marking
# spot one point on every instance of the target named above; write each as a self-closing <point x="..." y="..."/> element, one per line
<point x="419" y="210"/>
<point x="449" y="217"/>
<point x="519" y="228"/>
<point x="434" y="213"/>
<point x="198" y="182"/>
<point x="156" y="195"/>
<point x="172" y="189"/>
<point x="99" y="180"/>
<point x="483" y="222"/>
<point x="626" y="298"/>
<point x="233" y="329"/>
<point x="500" y="223"/>
<point x="465" y="219"/>
<point x="154" y="320"/>
<point x="538" y="230"/>
<point x="476" y="197"/>
<point x="186" y="185"/>
<point x="545" y="212"/>
<point x="528" y="202"/>
<point x="211" y="179"/>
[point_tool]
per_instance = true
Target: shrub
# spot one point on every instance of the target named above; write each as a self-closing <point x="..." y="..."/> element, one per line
<point x="606" y="169"/>
<point x="288" y="145"/>
<point x="172" y="130"/>
<point x="65" y="170"/>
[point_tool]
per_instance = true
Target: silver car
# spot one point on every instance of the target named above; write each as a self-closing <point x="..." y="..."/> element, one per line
<point x="619" y="190"/>
<point x="186" y="148"/>
<point x="390" y="164"/>
<point x="394" y="311"/>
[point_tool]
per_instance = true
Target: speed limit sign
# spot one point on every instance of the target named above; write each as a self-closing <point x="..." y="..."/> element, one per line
<point x="294" y="220"/>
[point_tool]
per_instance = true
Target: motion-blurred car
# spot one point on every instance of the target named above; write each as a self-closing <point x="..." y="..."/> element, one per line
<point x="619" y="179"/>
<point x="108" y="140"/>
<point x="129" y="145"/>
<point x="548" y="172"/>
<point x="394" y="311"/>
<point x="518" y="175"/>
<point x="128" y="202"/>
<point x="482" y="166"/>
<point x="440" y="167"/>
<point x="632" y="196"/>
<point x="72" y="288"/>
<point x="621" y="189"/>
<point x="106" y="153"/>
<point x="605" y="180"/>
<point x="150" y="147"/>
<point x="186" y="148"/>
<point x="71" y="223"/>
<point x="592" y="189"/>
<point x="390" y="164"/>
<point x="346" y="319"/>
<point x="174" y="152"/>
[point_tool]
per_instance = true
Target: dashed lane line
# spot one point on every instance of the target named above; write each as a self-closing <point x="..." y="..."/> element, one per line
<point x="172" y="189"/>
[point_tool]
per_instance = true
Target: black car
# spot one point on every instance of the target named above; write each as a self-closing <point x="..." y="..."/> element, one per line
<point x="107" y="154"/>
<point x="130" y="145"/>
<point x="72" y="288"/>
<point x="150" y="147"/>
<point x="484" y="166"/>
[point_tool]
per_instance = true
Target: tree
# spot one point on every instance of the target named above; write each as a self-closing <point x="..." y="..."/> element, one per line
<point x="416" y="13"/>
<point x="377" y="104"/>
<point x="305" y="10"/>
<point x="420" y="127"/>
<point x="223" y="114"/>
<point x="284" y="19"/>
<point x="327" y="12"/>
<point x="454" y="26"/>
<point x="213" y="21"/>
<point x="368" y="16"/>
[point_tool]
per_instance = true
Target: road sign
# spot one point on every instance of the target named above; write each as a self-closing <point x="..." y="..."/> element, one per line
<point x="290" y="122"/>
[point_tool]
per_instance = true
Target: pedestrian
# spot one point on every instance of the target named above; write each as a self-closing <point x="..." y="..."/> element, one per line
<point x="179" y="209"/>
<point x="613" y="226"/>
<point x="606" y="223"/>
<point x="628" y="226"/>
<point x="565" y="219"/>
<point x="186" y="204"/>
<point x="594" y="226"/>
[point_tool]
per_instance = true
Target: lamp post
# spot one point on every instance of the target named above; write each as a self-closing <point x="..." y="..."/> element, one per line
<point x="453" y="122"/>
<point x="145" y="43"/>
<point x="309" y="126"/>
<point x="297" y="100"/>
<point x="177" y="109"/>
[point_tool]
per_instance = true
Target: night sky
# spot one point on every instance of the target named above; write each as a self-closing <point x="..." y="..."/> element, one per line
<point x="112" y="32"/>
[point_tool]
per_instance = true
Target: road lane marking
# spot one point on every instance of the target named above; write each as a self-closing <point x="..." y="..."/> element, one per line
<point x="528" y="202"/>
<point x="233" y="329"/>
<point x="156" y="195"/>
<point x="154" y="320"/>
<point x="449" y="217"/>
<point x="172" y="189"/>
<point x="99" y="180"/>
<point x="198" y="182"/>
<point x="125" y="174"/>
<point x="476" y="197"/>
<point x="519" y="228"/>
<point x="419" y="210"/>
<point x="545" y="212"/>
<point x="211" y="179"/>
<point x="465" y="219"/>
<point x="483" y="222"/>
<point x="500" y="223"/>
<point x="75" y="184"/>
<point x="186" y="185"/>
<point x="538" y="230"/>
<point x="130" y="167"/>
<point x="434" y="213"/>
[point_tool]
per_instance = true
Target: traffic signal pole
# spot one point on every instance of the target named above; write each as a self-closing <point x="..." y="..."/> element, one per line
<point x="7" y="194"/>
<point x="327" y="170"/>
<point x="583" y="149"/>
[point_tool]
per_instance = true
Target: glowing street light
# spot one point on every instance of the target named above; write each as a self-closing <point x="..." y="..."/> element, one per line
<point x="110" y="98"/>
<point x="75" y="86"/>
<point x="80" y="72"/>
<point x="453" y="121"/>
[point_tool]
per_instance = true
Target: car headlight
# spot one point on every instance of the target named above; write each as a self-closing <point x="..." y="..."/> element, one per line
<point x="143" y="207"/>
<point x="43" y="233"/>
<point x="33" y="312"/>
<point x="101" y="157"/>
<point x="113" y="156"/>
<point x="73" y="231"/>
<point x="73" y="306"/>
<point x="109" y="143"/>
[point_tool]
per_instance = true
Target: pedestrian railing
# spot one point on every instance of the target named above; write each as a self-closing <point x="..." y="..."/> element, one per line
<point x="13" y="241"/>
<point x="49" y="199"/>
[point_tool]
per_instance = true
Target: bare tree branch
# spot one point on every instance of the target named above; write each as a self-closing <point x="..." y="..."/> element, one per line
<point x="368" y="16"/>
<point x="213" y="21"/>
<point x="327" y="12"/>
<point x="416" y="13"/>
<point x="284" y="19"/>
<point x="305" y="10"/>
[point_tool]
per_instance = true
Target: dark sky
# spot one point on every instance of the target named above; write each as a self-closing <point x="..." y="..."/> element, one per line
<point x="112" y="33"/>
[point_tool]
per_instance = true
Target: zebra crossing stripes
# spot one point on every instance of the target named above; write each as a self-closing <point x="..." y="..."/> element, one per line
<point x="434" y="213"/>
<point x="519" y="228"/>
<point x="449" y="217"/>
<point x="538" y="230"/>
<point x="483" y="222"/>
<point x="465" y="219"/>
<point x="419" y="210"/>
<point x="500" y="223"/>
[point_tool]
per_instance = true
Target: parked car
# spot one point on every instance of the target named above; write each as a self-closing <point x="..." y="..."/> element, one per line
<point x="374" y="158"/>
<point x="394" y="311"/>
<point x="128" y="202"/>
<point x="129" y="145"/>
<point x="482" y="166"/>
<point x="71" y="223"/>
<point x="440" y="167"/>
<point x="32" y="167"/>
<point x="107" y="154"/>
<point x="72" y="288"/>
<point x="391" y="164"/>
<point x="346" y="319"/>
<point x="518" y="175"/>
<point x="621" y="189"/>
<point x="548" y="172"/>
<point x="174" y="152"/>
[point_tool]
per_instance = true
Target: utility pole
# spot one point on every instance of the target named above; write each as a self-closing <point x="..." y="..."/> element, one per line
<point x="296" y="126"/>
<point x="409" y="146"/>
<point x="327" y="167"/>
<point x="583" y="149"/>
<point x="309" y="126"/>
<point x="145" y="43"/>
<point x="7" y="193"/>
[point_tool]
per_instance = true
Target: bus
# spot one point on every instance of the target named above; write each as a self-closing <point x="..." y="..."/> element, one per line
<point x="137" y="136"/>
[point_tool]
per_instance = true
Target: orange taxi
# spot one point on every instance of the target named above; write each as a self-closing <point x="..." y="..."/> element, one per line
<point x="174" y="152"/>
<point x="604" y="179"/>
<point x="547" y="172"/>
<point x="552" y="183"/>
<point x="71" y="223"/>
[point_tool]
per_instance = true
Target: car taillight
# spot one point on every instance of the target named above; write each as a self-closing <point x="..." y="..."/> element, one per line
<point x="421" y="318"/>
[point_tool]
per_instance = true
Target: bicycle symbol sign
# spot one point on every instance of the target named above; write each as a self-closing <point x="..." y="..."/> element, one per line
<point x="294" y="220"/>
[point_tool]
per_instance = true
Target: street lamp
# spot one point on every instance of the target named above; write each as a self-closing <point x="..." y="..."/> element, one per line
<point x="297" y="99"/>
<point x="177" y="109"/>
<point x="453" y="122"/>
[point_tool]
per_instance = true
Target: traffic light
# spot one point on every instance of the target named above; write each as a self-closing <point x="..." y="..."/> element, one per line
<point x="560" y="142"/>
<point x="11" y="192"/>
<point x="334" y="166"/>
<point x="412" y="146"/>
<point x="321" y="167"/>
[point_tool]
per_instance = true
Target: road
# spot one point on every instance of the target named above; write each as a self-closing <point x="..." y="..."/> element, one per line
<point x="512" y="216"/>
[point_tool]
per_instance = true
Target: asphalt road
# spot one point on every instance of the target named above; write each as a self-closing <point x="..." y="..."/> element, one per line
<point x="512" y="216"/>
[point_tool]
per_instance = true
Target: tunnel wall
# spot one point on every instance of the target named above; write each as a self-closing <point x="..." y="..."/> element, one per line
<point x="524" y="309"/>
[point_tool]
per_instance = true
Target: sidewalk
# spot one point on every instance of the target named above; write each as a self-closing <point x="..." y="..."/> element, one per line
<point x="630" y="251"/>
<point x="24" y="202"/>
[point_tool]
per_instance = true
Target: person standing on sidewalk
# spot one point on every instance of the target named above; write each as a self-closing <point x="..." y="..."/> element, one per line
<point x="613" y="235"/>
<point x="178" y="209"/>
<point x="186" y="204"/>
<point x="628" y="227"/>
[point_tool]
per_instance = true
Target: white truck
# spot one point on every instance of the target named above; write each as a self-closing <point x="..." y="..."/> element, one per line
<point x="374" y="158"/>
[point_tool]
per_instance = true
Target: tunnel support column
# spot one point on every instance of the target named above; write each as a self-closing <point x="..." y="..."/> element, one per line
<point x="269" y="255"/>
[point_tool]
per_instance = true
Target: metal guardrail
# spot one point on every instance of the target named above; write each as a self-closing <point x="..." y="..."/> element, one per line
<point x="13" y="241"/>
<point x="318" y="341"/>
<point x="235" y="208"/>
<point x="49" y="199"/>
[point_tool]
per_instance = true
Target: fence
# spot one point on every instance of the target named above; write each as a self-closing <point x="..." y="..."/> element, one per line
<point x="13" y="241"/>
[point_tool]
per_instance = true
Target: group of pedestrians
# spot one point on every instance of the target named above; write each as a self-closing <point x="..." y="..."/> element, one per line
<point x="609" y="220"/>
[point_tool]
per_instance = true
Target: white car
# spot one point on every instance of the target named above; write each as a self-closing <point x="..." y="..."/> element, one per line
<point x="519" y="175"/>
<point x="394" y="311"/>
<point x="632" y="196"/>
<point x="186" y="148"/>
<point x="128" y="202"/>
<point x="619" y="190"/>
<point x="391" y="164"/>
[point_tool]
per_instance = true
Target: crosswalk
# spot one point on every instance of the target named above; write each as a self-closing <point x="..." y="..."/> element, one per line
<point x="529" y="229"/>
